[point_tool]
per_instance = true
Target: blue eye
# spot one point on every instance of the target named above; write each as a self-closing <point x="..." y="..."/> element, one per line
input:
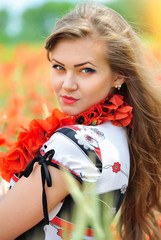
<point x="88" y="70"/>
<point x="58" y="67"/>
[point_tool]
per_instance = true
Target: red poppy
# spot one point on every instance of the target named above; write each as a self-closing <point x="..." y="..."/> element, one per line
<point x="113" y="109"/>
<point x="2" y="141"/>
<point x="64" y="234"/>
<point x="116" y="101"/>
<point x="13" y="161"/>
<point x="116" y="167"/>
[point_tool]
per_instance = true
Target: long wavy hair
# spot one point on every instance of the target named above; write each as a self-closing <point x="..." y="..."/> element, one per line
<point x="126" y="54"/>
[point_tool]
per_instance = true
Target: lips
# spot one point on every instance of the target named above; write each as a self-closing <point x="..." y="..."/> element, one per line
<point x="69" y="100"/>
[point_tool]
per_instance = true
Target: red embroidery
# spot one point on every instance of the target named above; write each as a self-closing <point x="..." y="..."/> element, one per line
<point x="97" y="150"/>
<point x="88" y="138"/>
<point x="116" y="167"/>
<point x="42" y="153"/>
<point x="64" y="234"/>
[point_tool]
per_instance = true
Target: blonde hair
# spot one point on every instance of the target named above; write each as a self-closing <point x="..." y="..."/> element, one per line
<point x="126" y="55"/>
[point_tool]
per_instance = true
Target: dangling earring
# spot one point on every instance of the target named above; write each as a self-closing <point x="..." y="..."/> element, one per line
<point x="118" y="87"/>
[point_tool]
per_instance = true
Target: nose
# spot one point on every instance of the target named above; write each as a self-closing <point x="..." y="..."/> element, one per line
<point x="70" y="82"/>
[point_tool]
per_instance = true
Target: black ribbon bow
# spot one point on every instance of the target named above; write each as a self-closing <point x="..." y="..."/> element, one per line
<point x="45" y="176"/>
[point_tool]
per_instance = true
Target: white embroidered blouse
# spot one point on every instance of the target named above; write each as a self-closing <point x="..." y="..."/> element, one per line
<point x="94" y="154"/>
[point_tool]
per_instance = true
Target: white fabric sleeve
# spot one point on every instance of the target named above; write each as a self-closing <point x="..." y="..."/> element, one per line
<point x="76" y="149"/>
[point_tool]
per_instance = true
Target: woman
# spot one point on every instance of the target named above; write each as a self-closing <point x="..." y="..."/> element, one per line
<point x="100" y="79"/>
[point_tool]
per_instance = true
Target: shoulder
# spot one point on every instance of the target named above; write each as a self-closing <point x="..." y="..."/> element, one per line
<point x="77" y="148"/>
<point x="100" y="132"/>
<point x="82" y="148"/>
<point x="115" y="135"/>
<point x="87" y="137"/>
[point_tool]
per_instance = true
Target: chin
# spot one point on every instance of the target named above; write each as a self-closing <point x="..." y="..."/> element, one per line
<point x="70" y="112"/>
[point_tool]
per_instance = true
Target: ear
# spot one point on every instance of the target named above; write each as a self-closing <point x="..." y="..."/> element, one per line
<point x="119" y="79"/>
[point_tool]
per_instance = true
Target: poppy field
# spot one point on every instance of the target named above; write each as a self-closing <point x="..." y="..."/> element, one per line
<point x="26" y="89"/>
<point x="26" y="92"/>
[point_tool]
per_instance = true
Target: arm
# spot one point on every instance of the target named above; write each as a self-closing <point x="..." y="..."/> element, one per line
<point x="22" y="208"/>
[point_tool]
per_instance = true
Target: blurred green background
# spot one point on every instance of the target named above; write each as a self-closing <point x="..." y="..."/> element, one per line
<point x="32" y="21"/>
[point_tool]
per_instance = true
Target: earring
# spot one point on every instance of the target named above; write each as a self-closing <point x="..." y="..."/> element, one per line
<point x="118" y="87"/>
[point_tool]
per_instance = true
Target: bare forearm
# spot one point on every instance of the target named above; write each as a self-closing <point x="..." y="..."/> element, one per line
<point x="1" y="197"/>
<point x="21" y="208"/>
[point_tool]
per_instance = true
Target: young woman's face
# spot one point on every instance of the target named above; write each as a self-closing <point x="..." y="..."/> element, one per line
<point x="81" y="76"/>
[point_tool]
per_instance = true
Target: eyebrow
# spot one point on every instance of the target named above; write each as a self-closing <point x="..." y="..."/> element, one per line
<point x="77" y="65"/>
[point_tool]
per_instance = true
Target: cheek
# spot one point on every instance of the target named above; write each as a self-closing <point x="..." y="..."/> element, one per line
<point x="103" y="89"/>
<point x="102" y="85"/>
<point x="55" y="82"/>
<point x="96" y="91"/>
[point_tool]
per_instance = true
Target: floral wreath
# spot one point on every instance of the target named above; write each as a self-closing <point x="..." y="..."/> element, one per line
<point x="30" y="140"/>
